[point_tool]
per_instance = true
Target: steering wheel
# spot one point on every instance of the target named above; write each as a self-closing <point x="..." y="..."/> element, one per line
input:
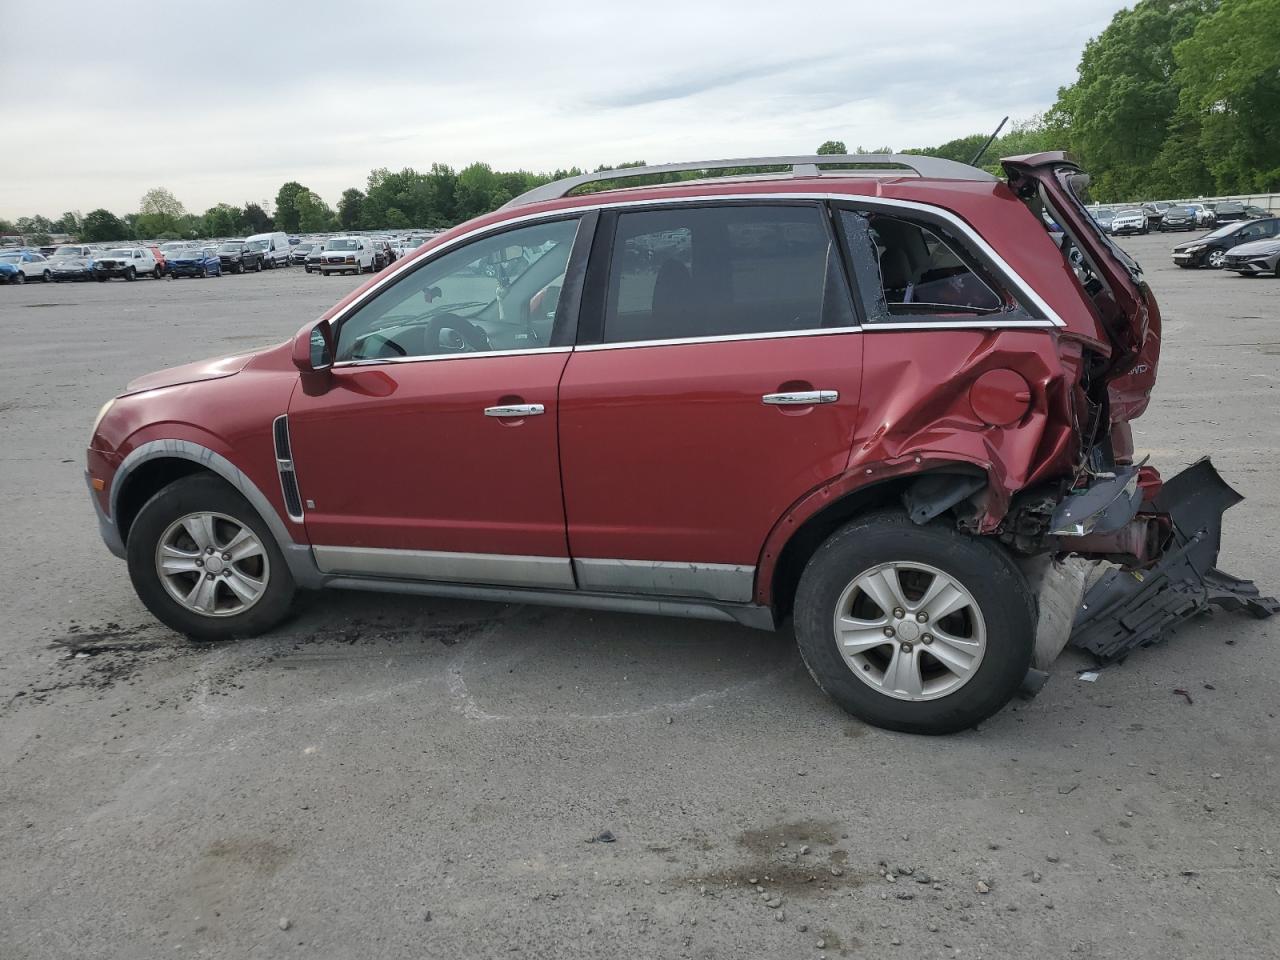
<point x="473" y="337"/>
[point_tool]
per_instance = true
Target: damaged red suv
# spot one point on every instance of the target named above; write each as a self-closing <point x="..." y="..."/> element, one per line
<point x="872" y="394"/>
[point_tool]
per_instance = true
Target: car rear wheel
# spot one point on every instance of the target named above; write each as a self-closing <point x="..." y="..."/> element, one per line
<point x="915" y="628"/>
<point x="204" y="562"/>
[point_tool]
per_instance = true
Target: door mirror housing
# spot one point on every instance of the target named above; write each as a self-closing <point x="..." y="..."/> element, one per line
<point x="313" y="347"/>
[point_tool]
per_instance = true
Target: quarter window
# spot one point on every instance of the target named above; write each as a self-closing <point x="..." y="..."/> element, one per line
<point x="906" y="268"/>
<point x="500" y="292"/>
<point x="723" y="271"/>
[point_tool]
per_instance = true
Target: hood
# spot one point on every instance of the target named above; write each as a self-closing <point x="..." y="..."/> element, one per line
<point x="1256" y="247"/>
<point x="190" y="373"/>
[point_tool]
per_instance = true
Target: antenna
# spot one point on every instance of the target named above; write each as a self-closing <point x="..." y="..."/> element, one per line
<point x="990" y="140"/>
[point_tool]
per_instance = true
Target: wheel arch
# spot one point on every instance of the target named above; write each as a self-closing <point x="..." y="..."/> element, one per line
<point x="794" y="539"/>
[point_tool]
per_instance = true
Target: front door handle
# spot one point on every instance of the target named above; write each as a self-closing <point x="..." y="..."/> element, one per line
<point x="515" y="410"/>
<point x="800" y="398"/>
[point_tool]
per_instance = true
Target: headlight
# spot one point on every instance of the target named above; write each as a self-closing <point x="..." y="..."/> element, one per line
<point x="97" y="422"/>
<point x="1194" y="249"/>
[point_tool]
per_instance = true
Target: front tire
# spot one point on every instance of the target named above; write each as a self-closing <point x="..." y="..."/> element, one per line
<point x="47" y="277"/>
<point x="1216" y="259"/>
<point x="258" y="267"/>
<point x="961" y="614"/>
<point x="205" y="563"/>
<point x="19" y="277"/>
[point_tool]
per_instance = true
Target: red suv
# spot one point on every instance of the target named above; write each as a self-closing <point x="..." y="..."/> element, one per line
<point x="873" y="394"/>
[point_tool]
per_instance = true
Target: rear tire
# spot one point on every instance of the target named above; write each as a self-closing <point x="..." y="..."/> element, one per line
<point x="993" y="626"/>
<point x="205" y="496"/>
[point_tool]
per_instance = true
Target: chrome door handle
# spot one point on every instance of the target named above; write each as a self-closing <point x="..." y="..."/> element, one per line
<point x="516" y="410"/>
<point x="800" y="398"/>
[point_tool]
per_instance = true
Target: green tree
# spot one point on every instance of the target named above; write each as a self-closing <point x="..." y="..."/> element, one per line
<point x="102" y="226"/>
<point x="36" y="224"/>
<point x="287" y="215"/>
<point x="1228" y="72"/>
<point x="832" y="147"/>
<point x="255" y="220"/>
<point x="68" y="223"/>
<point x="314" y="214"/>
<point x="160" y="214"/>
<point x="7" y="226"/>
<point x="349" y="208"/>
<point x="222" y="220"/>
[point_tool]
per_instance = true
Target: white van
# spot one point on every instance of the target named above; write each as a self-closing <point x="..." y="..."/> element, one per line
<point x="275" y="252"/>
<point x="347" y="255"/>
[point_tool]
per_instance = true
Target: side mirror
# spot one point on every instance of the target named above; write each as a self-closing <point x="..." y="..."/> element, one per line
<point x="313" y="347"/>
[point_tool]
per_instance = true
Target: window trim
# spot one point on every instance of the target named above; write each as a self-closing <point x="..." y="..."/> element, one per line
<point x="607" y="206"/>
<point x="575" y="268"/>
<point x="595" y="298"/>
<point x="1006" y="279"/>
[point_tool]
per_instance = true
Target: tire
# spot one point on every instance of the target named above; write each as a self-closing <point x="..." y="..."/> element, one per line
<point x="204" y="273"/>
<point x="161" y="514"/>
<point x="238" y="268"/>
<point x="47" y="277"/>
<point x="19" y="277"/>
<point x="131" y="274"/>
<point x="157" y="273"/>
<point x="258" y="267"/>
<point x="999" y="616"/>
<point x="1216" y="259"/>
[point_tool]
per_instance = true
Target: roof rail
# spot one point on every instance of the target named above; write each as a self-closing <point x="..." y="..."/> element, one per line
<point x="934" y="168"/>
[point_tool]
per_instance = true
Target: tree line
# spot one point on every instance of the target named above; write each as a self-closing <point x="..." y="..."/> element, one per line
<point x="1175" y="98"/>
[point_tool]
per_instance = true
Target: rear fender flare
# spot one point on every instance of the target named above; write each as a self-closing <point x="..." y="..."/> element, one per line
<point x="866" y="477"/>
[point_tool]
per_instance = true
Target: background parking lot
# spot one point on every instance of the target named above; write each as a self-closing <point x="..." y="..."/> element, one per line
<point x="390" y="776"/>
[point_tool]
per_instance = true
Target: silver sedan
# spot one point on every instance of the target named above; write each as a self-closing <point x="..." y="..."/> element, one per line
<point x="1254" y="257"/>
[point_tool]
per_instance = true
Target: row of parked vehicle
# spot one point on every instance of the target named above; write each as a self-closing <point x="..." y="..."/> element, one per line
<point x="181" y="258"/>
<point x="1168" y="215"/>
<point x="1248" y="247"/>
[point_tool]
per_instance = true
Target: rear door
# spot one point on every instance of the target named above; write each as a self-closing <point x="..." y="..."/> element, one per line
<point x="715" y="382"/>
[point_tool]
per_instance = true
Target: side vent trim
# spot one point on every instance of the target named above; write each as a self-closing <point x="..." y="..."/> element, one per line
<point x="284" y="463"/>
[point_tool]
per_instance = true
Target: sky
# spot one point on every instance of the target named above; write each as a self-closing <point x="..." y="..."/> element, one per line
<point x="227" y="102"/>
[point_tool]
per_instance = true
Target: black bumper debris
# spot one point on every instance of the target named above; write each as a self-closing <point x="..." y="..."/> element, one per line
<point x="1129" y="609"/>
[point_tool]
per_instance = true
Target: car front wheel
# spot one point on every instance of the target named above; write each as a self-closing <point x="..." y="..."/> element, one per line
<point x="915" y="628"/>
<point x="1216" y="259"/>
<point x="204" y="562"/>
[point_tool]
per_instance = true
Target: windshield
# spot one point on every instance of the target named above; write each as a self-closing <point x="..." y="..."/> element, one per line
<point x="342" y="243"/>
<point x="68" y="252"/>
<point x="230" y="247"/>
<point x="257" y="245"/>
<point x="120" y="254"/>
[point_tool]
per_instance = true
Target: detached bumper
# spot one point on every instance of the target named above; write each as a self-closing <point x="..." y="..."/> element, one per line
<point x="1127" y="609"/>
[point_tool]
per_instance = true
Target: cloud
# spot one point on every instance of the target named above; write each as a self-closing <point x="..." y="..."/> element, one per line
<point x="228" y="108"/>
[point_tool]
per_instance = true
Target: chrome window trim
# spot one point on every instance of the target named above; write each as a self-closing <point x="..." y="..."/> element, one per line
<point x="377" y="361"/>
<point x="723" y="338"/>
<point x="857" y="200"/>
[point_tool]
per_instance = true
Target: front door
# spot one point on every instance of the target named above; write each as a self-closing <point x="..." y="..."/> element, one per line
<point x="715" y="383"/>
<point x="433" y="452"/>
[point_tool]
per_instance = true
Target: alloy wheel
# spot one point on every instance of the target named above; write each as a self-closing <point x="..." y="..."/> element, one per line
<point x="909" y="630"/>
<point x="212" y="564"/>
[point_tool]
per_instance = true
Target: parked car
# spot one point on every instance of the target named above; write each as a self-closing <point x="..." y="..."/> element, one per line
<point x="129" y="263"/>
<point x="1128" y="221"/>
<point x="9" y="273"/>
<point x="198" y="262"/>
<point x="706" y="432"/>
<point x="1203" y="213"/>
<point x="71" y="266"/>
<point x="162" y="260"/>
<point x="1154" y="212"/>
<point x="347" y="255"/>
<point x="298" y="253"/>
<point x="1229" y="211"/>
<point x="315" y="258"/>
<point x="1254" y="257"/>
<point x="28" y="266"/>
<point x="1177" y="218"/>
<point x="1255" y="213"/>
<point x="71" y="251"/>
<point x="1211" y="249"/>
<point x="275" y="248"/>
<point x="237" y="256"/>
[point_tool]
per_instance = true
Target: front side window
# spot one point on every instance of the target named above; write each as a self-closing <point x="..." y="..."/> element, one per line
<point x="723" y="271"/>
<point x="905" y="268"/>
<point x="500" y="292"/>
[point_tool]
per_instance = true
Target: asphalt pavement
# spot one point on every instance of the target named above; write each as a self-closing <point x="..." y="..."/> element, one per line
<point x="401" y="777"/>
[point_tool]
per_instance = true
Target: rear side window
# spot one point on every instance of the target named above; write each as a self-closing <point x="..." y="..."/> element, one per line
<point x="905" y="268"/>
<point x="723" y="271"/>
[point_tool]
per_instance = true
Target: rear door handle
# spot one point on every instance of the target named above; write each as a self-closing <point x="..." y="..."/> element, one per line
<point x="800" y="398"/>
<point x="516" y="410"/>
